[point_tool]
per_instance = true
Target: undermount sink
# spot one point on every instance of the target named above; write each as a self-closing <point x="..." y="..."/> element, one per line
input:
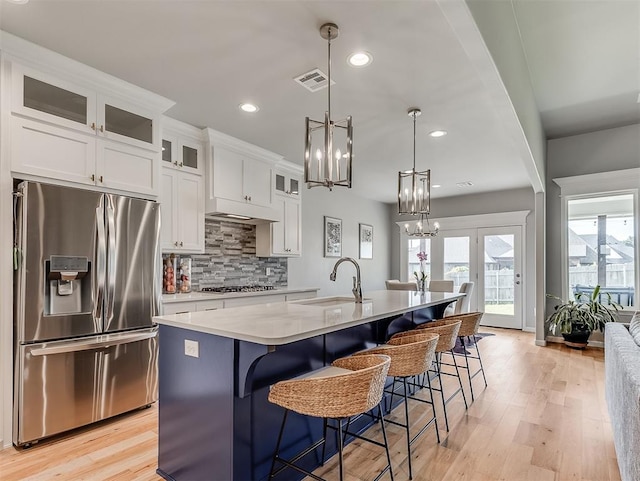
<point x="328" y="301"/>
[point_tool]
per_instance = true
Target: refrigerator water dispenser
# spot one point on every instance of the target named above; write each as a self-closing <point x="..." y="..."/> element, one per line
<point x="65" y="289"/>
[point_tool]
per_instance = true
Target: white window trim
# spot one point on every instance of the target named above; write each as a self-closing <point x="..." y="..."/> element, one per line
<point x="617" y="182"/>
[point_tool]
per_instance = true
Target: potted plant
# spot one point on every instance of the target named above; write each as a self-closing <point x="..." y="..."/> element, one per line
<point x="577" y="319"/>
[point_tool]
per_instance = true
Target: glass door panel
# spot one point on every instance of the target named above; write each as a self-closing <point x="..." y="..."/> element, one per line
<point x="128" y="124"/>
<point x="167" y="154"/>
<point x="54" y="100"/>
<point x="499" y="277"/>
<point x="499" y="293"/>
<point x="189" y="157"/>
<point x="417" y="246"/>
<point x="456" y="260"/>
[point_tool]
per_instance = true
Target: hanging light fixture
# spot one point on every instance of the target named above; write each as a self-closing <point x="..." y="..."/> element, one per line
<point x="328" y="144"/>
<point x="414" y="192"/>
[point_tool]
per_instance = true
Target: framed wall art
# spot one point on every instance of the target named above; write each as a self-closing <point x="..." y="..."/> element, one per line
<point x="332" y="237"/>
<point x="366" y="241"/>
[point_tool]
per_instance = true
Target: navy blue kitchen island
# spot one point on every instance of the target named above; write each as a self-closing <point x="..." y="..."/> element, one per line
<point x="215" y="422"/>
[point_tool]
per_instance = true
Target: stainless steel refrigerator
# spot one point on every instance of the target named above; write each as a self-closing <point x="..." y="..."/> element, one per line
<point x="86" y="288"/>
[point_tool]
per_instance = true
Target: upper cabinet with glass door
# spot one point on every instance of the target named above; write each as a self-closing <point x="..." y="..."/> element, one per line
<point x="182" y="146"/>
<point x="45" y="97"/>
<point x="287" y="184"/>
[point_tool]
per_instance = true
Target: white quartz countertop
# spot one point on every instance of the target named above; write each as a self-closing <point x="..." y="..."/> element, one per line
<point x="207" y="296"/>
<point x="284" y="322"/>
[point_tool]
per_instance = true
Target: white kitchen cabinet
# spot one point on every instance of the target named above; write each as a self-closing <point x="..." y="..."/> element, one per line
<point x="283" y="238"/>
<point x="182" y="146"/>
<point x="45" y="150"/>
<point x="245" y="300"/>
<point x="182" y="190"/>
<point x="239" y="179"/>
<point x="179" y="307"/>
<point x="287" y="184"/>
<point x="73" y="132"/>
<point x="210" y="305"/>
<point x="45" y="97"/>
<point x="182" y="207"/>
<point x="253" y="300"/>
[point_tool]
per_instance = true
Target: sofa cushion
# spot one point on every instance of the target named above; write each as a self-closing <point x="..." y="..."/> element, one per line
<point x="634" y="327"/>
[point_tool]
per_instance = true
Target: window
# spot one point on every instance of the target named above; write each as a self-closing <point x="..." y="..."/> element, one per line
<point x="416" y="246"/>
<point x="602" y="246"/>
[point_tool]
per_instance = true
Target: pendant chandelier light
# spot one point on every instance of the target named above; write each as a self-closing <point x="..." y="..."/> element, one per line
<point x="414" y="192"/>
<point x="328" y="144"/>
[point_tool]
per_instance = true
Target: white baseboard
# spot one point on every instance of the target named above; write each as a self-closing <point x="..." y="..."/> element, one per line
<point x="529" y="329"/>
<point x="541" y="343"/>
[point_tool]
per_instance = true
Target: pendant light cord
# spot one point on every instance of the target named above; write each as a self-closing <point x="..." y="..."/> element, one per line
<point x="415" y="114"/>
<point x="329" y="73"/>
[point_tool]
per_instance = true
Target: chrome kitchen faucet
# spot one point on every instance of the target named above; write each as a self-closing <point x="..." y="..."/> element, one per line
<point x="357" y="287"/>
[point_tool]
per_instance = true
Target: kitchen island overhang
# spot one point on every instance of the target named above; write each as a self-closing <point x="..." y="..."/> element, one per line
<point x="216" y="368"/>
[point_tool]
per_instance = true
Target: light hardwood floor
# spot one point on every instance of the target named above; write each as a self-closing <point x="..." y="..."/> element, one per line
<point x="543" y="417"/>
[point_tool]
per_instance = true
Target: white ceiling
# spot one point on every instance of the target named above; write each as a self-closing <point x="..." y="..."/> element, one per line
<point x="210" y="56"/>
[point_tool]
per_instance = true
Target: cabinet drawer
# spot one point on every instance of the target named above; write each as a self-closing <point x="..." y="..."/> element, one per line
<point x="250" y="301"/>
<point x="179" y="307"/>
<point x="210" y="305"/>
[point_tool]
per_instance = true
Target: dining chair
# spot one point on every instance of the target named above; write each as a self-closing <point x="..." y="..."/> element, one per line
<point x="441" y="286"/>
<point x="462" y="305"/>
<point x="396" y="285"/>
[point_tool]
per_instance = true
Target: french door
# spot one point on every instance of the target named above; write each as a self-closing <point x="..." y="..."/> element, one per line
<point x="490" y="257"/>
<point x="500" y="280"/>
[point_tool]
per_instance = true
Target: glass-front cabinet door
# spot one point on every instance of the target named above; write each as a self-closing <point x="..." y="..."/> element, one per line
<point x="44" y="97"/>
<point x="287" y="184"/>
<point x="182" y="154"/>
<point x="120" y="121"/>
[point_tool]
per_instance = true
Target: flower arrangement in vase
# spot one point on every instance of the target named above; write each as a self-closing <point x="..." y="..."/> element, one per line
<point x="421" y="277"/>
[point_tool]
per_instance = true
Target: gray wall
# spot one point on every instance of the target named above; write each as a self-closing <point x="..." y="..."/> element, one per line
<point x="602" y="151"/>
<point x="313" y="269"/>
<point x="486" y="203"/>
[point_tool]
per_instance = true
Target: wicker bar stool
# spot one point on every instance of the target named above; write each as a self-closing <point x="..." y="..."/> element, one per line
<point x="349" y="387"/>
<point x="410" y="356"/>
<point x="448" y="331"/>
<point x="468" y="331"/>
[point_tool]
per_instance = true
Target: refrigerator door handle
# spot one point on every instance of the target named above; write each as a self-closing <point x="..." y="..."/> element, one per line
<point x="75" y="346"/>
<point x="111" y="259"/>
<point x="99" y="271"/>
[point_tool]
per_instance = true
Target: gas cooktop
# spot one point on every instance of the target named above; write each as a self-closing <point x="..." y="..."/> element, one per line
<point x="225" y="289"/>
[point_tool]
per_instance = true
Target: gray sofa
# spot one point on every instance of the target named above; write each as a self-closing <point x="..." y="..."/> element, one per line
<point x="622" y="390"/>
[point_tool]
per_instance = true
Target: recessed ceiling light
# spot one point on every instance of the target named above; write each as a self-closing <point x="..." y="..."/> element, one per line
<point x="466" y="183"/>
<point x="250" y="108"/>
<point x="435" y="186"/>
<point x="438" y="133"/>
<point x="360" y="59"/>
<point x="18" y="2"/>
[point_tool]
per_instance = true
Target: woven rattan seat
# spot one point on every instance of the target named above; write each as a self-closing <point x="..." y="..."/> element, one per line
<point x="448" y="330"/>
<point x="468" y="330"/>
<point x="410" y="355"/>
<point x="352" y="386"/>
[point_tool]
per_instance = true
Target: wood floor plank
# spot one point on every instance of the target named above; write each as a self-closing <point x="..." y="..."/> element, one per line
<point x="543" y="417"/>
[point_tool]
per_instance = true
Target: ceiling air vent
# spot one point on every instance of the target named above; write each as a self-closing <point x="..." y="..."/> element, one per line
<point x="313" y="80"/>
<point x="466" y="183"/>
